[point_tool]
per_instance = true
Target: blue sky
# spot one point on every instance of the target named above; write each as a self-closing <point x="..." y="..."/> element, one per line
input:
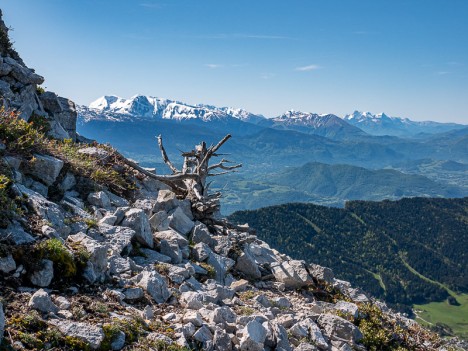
<point x="407" y="58"/>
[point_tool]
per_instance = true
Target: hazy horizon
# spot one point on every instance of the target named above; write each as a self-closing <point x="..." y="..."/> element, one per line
<point x="407" y="59"/>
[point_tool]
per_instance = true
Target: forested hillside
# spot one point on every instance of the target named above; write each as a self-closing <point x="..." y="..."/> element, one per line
<point x="406" y="252"/>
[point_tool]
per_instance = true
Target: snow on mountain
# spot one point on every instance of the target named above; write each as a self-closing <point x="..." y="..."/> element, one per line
<point x="327" y="125"/>
<point x="308" y="119"/>
<point x="147" y="107"/>
<point x="382" y="124"/>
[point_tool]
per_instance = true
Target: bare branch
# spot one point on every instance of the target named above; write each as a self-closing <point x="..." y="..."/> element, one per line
<point x="211" y="151"/>
<point x="223" y="166"/>
<point x="167" y="179"/>
<point x="164" y="156"/>
<point x="218" y="145"/>
<point x="220" y="173"/>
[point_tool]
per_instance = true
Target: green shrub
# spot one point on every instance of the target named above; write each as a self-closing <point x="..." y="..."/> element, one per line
<point x="57" y="252"/>
<point x="7" y="205"/>
<point x="19" y="135"/>
<point x="382" y="333"/>
<point x="40" y="90"/>
<point x="26" y="138"/>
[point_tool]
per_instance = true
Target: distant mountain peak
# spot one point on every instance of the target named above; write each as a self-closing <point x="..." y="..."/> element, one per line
<point x="383" y="124"/>
<point x="112" y="107"/>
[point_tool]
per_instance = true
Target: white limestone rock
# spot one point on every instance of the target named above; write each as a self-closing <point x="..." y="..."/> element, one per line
<point x="44" y="274"/>
<point x="137" y="220"/>
<point x="41" y="301"/>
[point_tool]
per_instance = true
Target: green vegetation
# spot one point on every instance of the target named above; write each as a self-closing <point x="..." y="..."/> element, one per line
<point x="8" y="205"/>
<point x="34" y="334"/>
<point x="411" y="251"/>
<point x="440" y="315"/>
<point x="380" y="333"/>
<point x="211" y="272"/>
<point x="26" y="138"/>
<point x="331" y="185"/>
<point x="18" y="135"/>
<point x="57" y="252"/>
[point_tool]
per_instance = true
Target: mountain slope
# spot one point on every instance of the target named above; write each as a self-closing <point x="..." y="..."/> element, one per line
<point x="353" y="183"/>
<point x="328" y="125"/>
<point x="381" y="124"/>
<point x="329" y="185"/>
<point x="377" y="245"/>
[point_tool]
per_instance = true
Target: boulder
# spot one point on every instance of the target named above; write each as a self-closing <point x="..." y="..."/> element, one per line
<point x="203" y="335"/>
<point x="16" y="234"/>
<point x="100" y="200"/>
<point x="137" y="220"/>
<point x="44" y="274"/>
<point x="180" y="222"/>
<point x="172" y="236"/>
<point x="221" y="266"/>
<point x="41" y="301"/>
<point x="281" y="336"/>
<point x="133" y="293"/>
<point x="262" y="253"/>
<point x="246" y="265"/>
<point x="305" y="346"/>
<point x="193" y="317"/>
<point x="159" y="221"/>
<point x="44" y="208"/>
<point x="192" y="300"/>
<point x="321" y="273"/>
<point x="118" y="265"/>
<point x="151" y="257"/>
<point x="337" y="328"/>
<point x="62" y="302"/>
<point x="292" y="273"/>
<point x="116" y="200"/>
<point x="253" y="337"/>
<point x="155" y="285"/>
<point x="93" y="335"/>
<point x="222" y="340"/>
<point x="223" y="315"/>
<point x="348" y="308"/>
<point x="45" y="168"/>
<point x="201" y="252"/>
<point x="167" y="201"/>
<point x="7" y="264"/>
<point x="118" y="342"/>
<point x="201" y="234"/>
<point x="97" y="263"/>
<point x="172" y="250"/>
<point x="68" y="182"/>
<point x="117" y="238"/>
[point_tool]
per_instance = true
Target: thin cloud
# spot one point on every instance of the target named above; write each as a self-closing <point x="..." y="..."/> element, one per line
<point x="308" y="68"/>
<point x="213" y="65"/>
<point x="244" y="36"/>
<point x="150" y="5"/>
<point x="267" y="75"/>
<point x="442" y="73"/>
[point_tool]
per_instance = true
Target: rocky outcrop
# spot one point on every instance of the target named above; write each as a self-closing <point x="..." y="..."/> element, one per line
<point x="133" y="268"/>
<point x="19" y="90"/>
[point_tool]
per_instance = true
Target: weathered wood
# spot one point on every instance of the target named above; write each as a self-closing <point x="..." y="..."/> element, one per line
<point x="191" y="181"/>
<point x="164" y="156"/>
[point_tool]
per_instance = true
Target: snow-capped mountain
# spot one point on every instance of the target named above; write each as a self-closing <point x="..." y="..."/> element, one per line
<point x="147" y="107"/>
<point x="382" y="124"/>
<point x="327" y="125"/>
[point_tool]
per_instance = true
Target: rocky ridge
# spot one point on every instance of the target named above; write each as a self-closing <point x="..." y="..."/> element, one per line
<point x="20" y="90"/>
<point x="94" y="255"/>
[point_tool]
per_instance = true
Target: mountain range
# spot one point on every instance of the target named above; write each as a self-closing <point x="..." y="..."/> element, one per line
<point x="280" y="153"/>
<point x="358" y="123"/>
